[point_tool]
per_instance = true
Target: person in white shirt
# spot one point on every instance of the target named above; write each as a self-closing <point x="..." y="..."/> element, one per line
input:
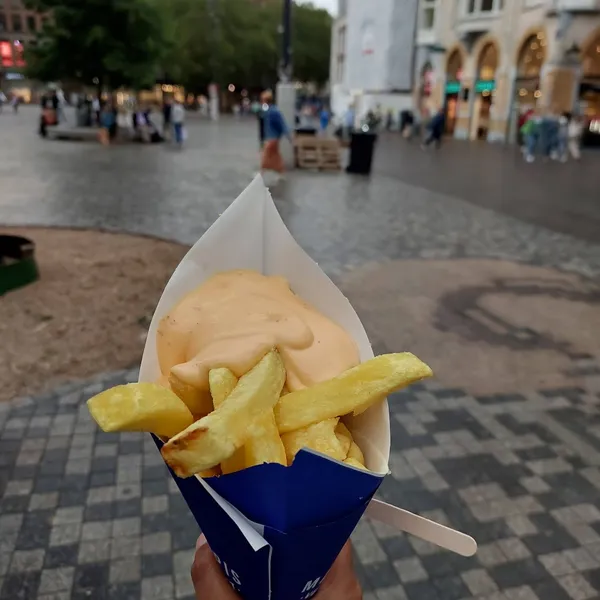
<point x="574" y="132"/>
<point x="178" y="118"/>
<point x="96" y="109"/>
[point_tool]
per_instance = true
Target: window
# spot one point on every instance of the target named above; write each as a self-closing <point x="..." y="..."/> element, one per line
<point x="17" y="24"/>
<point x="428" y="14"/>
<point x="477" y="8"/>
<point x="2" y="22"/>
<point x="31" y="24"/>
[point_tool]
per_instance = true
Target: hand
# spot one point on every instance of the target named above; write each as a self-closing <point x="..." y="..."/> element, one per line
<point x="210" y="583"/>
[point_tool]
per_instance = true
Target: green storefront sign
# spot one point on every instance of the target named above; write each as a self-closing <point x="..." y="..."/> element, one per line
<point x="452" y="87"/>
<point x="485" y="86"/>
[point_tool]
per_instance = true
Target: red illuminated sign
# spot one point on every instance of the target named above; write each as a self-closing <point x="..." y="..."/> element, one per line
<point x="6" y="56"/>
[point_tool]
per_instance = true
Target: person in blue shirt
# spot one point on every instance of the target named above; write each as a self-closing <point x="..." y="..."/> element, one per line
<point x="324" y="117"/>
<point x="275" y="128"/>
<point x="436" y="129"/>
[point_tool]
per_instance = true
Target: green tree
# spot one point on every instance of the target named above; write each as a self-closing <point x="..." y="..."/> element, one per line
<point x="311" y="43"/>
<point x="238" y="41"/>
<point x="109" y="43"/>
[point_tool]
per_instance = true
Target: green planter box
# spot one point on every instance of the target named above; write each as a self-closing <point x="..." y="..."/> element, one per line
<point x="17" y="263"/>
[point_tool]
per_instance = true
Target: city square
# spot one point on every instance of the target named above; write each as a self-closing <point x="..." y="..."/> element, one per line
<point x="438" y="161"/>
<point x="502" y="444"/>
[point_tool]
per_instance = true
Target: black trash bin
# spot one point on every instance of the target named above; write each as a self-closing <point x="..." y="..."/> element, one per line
<point x="362" y="146"/>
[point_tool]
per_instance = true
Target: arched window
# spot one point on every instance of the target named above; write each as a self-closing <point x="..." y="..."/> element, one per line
<point x="531" y="57"/>
<point x="591" y="59"/>
<point x="488" y="62"/>
<point x="454" y="66"/>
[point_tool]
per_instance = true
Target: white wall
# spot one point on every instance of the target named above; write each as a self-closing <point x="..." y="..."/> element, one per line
<point x="367" y="42"/>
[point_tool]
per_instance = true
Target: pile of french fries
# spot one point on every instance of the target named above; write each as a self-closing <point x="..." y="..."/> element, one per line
<point x="254" y="419"/>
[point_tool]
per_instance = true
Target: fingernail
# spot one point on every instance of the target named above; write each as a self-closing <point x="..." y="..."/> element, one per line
<point x="201" y="542"/>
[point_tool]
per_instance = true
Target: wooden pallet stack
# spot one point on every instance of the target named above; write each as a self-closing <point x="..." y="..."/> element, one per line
<point x="317" y="153"/>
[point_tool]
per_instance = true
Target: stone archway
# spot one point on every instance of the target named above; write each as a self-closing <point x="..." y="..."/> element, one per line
<point x="530" y="60"/>
<point x="589" y="90"/>
<point x="488" y="60"/>
<point x="454" y="73"/>
<point x="454" y="66"/>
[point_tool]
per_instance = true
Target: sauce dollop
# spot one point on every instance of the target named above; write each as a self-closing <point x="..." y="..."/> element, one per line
<point x="234" y="318"/>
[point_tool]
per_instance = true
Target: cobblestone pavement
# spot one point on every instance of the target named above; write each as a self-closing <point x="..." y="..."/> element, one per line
<point x="84" y="514"/>
<point x="341" y="221"/>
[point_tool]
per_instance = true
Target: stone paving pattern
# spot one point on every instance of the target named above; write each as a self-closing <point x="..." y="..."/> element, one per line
<point x="85" y="514"/>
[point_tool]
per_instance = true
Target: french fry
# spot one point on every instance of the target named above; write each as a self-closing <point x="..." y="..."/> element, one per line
<point x="265" y="447"/>
<point x="140" y="407"/>
<point x="198" y="401"/>
<point x="352" y="462"/>
<point x="222" y="382"/>
<point x="344" y="437"/>
<point x="213" y="472"/>
<point x="214" y="438"/>
<point x="355" y="453"/>
<point x="352" y="391"/>
<point x="319" y="436"/>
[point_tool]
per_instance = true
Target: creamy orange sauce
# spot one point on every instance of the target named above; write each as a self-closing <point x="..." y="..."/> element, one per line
<point x="234" y="318"/>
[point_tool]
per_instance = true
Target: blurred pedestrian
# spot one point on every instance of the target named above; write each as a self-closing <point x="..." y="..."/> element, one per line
<point x="14" y="102"/>
<point x="562" y="151"/>
<point x="2" y="100"/>
<point x="96" y="110"/>
<point x="178" y="118"/>
<point x="575" y="131"/>
<point x="167" y="111"/>
<point x="324" y="118"/>
<point x="389" y="120"/>
<point x="436" y="130"/>
<point x="531" y="132"/>
<point x="263" y="105"/>
<point x="275" y="129"/>
<point x="107" y="121"/>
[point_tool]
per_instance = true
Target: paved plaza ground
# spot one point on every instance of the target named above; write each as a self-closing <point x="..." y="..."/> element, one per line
<point x="483" y="266"/>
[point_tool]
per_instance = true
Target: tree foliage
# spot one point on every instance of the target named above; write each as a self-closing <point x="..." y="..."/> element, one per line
<point x="192" y="42"/>
<point x="113" y="42"/>
<point x="239" y="42"/>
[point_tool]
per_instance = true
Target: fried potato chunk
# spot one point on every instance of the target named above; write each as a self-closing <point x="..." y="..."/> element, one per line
<point x="344" y="437"/>
<point x="221" y="383"/>
<point x="198" y="401"/>
<point x="355" y="453"/>
<point x="215" y="437"/>
<point x="140" y="407"/>
<point x="351" y="392"/>
<point x="265" y="447"/>
<point x="351" y="462"/>
<point x="319" y="436"/>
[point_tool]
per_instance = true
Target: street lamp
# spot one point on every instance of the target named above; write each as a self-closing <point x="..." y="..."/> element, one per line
<point x="285" y="71"/>
<point x="286" y="91"/>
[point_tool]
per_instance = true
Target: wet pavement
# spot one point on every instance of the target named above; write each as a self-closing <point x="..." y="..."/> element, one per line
<point x="503" y="444"/>
<point x="341" y="221"/>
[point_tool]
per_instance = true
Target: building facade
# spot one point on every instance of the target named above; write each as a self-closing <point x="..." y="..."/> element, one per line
<point x="372" y="55"/>
<point x="489" y="62"/>
<point x="18" y="27"/>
